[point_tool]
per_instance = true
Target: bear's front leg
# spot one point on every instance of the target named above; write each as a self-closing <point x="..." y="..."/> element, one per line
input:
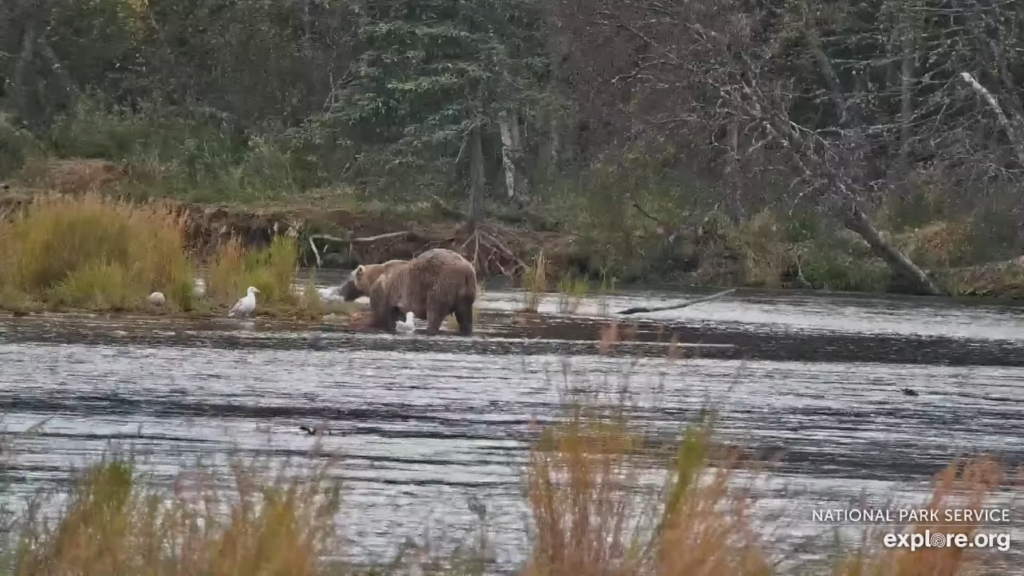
<point x="384" y="315"/>
<point x="393" y="316"/>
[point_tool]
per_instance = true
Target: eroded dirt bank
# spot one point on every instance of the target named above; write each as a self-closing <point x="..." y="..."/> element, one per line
<point x="328" y="237"/>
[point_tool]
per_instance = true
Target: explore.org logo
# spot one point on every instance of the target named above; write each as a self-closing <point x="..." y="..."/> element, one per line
<point x="929" y="539"/>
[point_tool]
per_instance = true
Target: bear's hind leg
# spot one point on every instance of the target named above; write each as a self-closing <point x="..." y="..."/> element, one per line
<point x="433" y="322"/>
<point x="464" y="316"/>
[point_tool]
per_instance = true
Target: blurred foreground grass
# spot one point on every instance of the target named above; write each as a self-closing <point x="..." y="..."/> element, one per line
<point x="587" y="518"/>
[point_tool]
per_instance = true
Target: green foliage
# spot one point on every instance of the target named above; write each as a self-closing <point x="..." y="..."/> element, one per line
<point x="15" y="146"/>
<point x="429" y="72"/>
<point x="169" y="155"/>
<point x="626" y="212"/>
<point x="266" y="99"/>
<point x="842" y="262"/>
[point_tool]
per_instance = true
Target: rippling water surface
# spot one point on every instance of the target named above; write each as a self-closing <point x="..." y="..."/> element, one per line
<point x="421" y="423"/>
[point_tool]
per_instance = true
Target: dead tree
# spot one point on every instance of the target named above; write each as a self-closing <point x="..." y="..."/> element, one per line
<point x="783" y="86"/>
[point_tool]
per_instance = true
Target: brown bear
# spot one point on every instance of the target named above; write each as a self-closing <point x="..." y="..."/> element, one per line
<point x="360" y="280"/>
<point x="432" y="285"/>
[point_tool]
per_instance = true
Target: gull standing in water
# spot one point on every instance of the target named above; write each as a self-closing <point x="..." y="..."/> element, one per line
<point x="245" y="305"/>
<point x="407" y="327"/>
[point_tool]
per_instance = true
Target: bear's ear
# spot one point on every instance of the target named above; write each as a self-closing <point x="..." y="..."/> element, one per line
<point x="359" y="271"/>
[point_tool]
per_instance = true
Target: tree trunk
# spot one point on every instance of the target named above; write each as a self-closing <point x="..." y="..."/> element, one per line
<point x="307" y="32"/>
<point x="859" y="222"/>
<point x="67" y="85"/>
<point x="732" y="179"/>
<point x="516" y="185"/>
<point x="522" y="182"/>
<point x="906" y="104"/>
<point x="506" y="155"/>
<point x="476" y="180"/>
<point x="551" y="149"/>
<point x="554" y="141"/>
<point x="841" y="197"/>
<point x="23" y="77"/>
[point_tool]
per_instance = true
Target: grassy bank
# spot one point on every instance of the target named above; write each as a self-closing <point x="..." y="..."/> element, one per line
<point x="589" y="515"/>
<point x="633" y="221"/>
<point x="94" y="252"/>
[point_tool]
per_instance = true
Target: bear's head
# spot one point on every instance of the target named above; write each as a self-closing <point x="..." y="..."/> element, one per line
<point x="349" y="291"/>
<point x="363" y="277"/>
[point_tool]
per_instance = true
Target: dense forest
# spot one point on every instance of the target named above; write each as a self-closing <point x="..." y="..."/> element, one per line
<point x="843" y="145"/>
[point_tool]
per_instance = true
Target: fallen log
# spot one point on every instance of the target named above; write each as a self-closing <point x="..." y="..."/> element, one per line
<point x="364" y="240"/>
<point x="644" y="310"/>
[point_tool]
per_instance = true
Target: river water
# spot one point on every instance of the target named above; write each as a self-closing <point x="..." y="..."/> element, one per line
<point x="422" y="424"/>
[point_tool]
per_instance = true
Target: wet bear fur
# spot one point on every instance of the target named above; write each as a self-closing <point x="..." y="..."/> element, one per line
<point x="433" y="285"/>
<point x="363" y="277"/>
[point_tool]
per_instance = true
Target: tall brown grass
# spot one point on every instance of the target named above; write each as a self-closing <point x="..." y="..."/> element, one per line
<point x="312" y="304"/>
<point x="91" y="251"/>
<point x="115" y="524"/>
<point x="272" y="270"/>
<point x="571" y="292"/>
<point x="607" y="288"/>
<point x="94" y="252"/>
<point x="592" y="516"/>
<point x="535" y="283"/>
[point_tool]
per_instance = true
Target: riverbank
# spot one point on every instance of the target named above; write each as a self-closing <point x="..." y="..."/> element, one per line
<point x="335" y="229"/>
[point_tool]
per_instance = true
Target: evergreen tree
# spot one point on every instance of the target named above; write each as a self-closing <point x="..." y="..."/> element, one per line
<point x="434" y="74"/>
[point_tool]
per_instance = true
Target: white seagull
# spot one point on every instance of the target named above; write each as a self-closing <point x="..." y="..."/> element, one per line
<point x="407" y="327"/>
<point x="157" y="299"/>
<point x="245" y="305"/>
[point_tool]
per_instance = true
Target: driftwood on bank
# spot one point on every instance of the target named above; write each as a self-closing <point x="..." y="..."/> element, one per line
<point x="312" y="238"/>
<point x="364" y="240"/>
<point x="644" y="310"/>
<point x="493" y="248"/>
<point x="319" y="261"/>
